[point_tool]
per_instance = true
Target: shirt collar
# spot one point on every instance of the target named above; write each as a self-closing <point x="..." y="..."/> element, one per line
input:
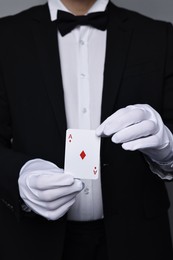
<point x="55" y="5"/>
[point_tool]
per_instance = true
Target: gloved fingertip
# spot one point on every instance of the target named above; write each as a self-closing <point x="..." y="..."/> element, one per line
<point x="98" y="131"/>
<point x="115" y="139"/>
<point x="79" y="184"/>
<point x="69" y="178"/>
<point x="128" y="147"/>
<point x="124" y="146"/>
<point x="107" y="131"/>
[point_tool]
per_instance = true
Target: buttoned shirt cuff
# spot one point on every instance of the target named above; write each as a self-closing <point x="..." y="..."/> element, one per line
<point x="163" y="170"/>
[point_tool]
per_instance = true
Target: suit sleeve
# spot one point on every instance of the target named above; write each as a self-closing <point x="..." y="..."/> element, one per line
<point x="165" y="170"/>
<point x="11" y="161"/>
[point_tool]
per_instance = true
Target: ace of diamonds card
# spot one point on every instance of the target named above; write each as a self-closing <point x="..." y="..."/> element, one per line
<point x="82" y="153"/>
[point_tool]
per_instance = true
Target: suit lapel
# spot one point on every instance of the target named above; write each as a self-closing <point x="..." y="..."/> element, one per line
<point x="118" y="39"/>
<point x="45" y="33"/>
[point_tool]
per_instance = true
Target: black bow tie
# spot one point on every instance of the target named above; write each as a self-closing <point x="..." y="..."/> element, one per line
<point x="66" y="22"/>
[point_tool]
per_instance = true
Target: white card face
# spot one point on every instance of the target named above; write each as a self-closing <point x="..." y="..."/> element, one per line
<point x="82" y="153"/>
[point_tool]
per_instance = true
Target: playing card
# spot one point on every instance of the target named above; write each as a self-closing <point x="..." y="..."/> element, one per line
<point x="82" y="153"/>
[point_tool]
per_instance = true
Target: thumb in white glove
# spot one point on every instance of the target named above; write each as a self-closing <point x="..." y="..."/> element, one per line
<point x="139" y="127"/>
<point x="46" y="189"/>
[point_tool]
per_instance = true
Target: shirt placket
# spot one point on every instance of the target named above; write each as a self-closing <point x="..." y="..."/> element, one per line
<point x="84" y="113"/>
<point x="83" y="80"/>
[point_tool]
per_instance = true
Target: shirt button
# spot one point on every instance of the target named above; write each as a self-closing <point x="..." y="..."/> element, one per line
<point x="86" y="191"/>
<point x="81" y="42"/>
<point x="84" y="110"/>
<point x="82" y="75"/>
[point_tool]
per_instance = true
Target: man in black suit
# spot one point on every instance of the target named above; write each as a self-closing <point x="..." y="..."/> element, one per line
<point x="112" y="72"/>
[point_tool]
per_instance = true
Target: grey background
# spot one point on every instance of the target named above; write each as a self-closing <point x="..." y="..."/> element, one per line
<point x="157" y="9"/>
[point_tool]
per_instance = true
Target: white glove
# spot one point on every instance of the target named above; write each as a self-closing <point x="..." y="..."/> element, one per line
<point x="46" y="189"/>
<point x="139" y="127"/>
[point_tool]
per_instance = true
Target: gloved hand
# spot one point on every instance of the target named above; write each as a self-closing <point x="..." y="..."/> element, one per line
<point x="47" y="190"/>
<point x="139" y="127"/>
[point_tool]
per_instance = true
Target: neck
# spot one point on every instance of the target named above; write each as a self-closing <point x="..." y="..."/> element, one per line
<point x="78" y="7"/>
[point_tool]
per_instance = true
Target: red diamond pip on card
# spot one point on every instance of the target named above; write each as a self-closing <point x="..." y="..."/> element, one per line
<point x="82" y="153"/>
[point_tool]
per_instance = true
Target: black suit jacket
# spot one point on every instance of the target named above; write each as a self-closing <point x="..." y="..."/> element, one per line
<point x="138" y="69"/>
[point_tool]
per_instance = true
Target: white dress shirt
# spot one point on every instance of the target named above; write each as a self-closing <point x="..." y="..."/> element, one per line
<point x="82" y="56"/>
